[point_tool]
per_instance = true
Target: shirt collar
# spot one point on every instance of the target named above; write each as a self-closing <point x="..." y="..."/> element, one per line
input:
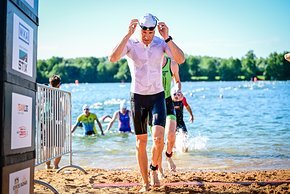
<point x="138" y="40"/>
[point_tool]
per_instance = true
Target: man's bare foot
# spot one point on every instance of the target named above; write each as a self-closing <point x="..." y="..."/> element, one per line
<point x="161" y="175"/>
<point x="48" y="167"/>
<point x="171" y="165"/>
<point x="154" y="181"/>
<point x="56" y="167"/>
<point x="144" y="188"/>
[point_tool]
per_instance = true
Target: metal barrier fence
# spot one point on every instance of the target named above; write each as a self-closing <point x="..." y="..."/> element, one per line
<point x="53" y="127"/>
<point x="53" y="120"/>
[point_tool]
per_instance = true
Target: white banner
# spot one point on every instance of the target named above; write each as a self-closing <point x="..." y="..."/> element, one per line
<point x="19" y="182"/>
<point x="22" y="56"/>
<point x="21" y="121"/>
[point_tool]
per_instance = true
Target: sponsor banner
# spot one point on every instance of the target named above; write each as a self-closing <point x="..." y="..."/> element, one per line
<point x="30" y="2"/>
<point x="22" y="56"/>
<point x="21" y="121"/>
<point x="19" y="182"/>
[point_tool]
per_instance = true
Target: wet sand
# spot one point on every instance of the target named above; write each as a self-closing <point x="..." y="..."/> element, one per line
<point x="71" y="180"/>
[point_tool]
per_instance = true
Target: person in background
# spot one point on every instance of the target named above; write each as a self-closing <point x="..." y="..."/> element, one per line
<point x="170" y="71"/>
<point x="179" y="102"/>
<point x="123" y="115"/>
<point x="50" y="142"/>
<point x="145" y="55"/>
<point x="87" y="121"/>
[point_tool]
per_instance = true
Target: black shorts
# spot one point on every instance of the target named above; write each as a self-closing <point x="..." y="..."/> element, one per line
<point x="169" y="106"/>
<point x="170" y="111"/>
<point x="142" y="105"/>
<point x="89" y="133"/>
<point x="181" y="125"/>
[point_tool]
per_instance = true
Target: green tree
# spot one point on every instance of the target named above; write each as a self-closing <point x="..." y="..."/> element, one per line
<point x="249" y="65"/>
<point x="193" y="63"/>
<point x="230" y="69"/>
<point x="208" y="67"/>
<point x="277" y="67"/>
<point x="123" y="73"/>
<point x="184" y="72"/>
<point x="41" y="71"/>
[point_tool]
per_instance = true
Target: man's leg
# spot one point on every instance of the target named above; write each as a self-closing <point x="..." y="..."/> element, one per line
<point x="170" y="131"/>
<point x="157" y="148"/>
<point x="141" y="155"/>
<point x="171" y="136"/>
<point x="56" y="162"/>
<point x="47" y="153"/>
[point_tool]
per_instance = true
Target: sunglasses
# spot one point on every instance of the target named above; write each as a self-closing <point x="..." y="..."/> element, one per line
<point x="177" y="94"/>
<point x="147" y="28"/>
<point x="86" y="109"/>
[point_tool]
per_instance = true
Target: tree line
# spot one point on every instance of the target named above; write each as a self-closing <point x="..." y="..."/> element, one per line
<point x="195" y="68"/>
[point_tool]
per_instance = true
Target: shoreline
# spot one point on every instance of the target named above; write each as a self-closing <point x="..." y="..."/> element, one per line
<point x="71" y="180"/>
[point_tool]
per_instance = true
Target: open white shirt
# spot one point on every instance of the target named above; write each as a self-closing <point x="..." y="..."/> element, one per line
<point x="145" y="65"/>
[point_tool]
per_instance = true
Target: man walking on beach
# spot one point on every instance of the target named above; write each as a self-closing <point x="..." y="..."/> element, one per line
<point x="170" y="70"/>
<point x="145" y="57"/>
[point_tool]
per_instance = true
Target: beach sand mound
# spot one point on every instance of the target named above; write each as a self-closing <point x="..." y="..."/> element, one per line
<point x="72" y="180"/>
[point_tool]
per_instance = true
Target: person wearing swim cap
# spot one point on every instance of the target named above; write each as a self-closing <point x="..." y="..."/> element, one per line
<point x="87" y="121"/>
<point x="287" y="57"/>
<point x="179" y="102"/>
<point x="170" y="71"/>
<point x="145" y="55"/>
<point x="123" y="115"/>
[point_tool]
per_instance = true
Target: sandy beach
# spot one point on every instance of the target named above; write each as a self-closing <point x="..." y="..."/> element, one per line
<point x="71" y="180"/>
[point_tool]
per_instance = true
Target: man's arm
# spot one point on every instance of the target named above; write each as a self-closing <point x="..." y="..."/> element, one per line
<point x="190" y="112"/>
<point x="117" y="52"/>
<point x="74" y="128"/>
<point x="100" y="126"/>
<point x="176" y="52"/>
<point x="131" y="120"/>
<point x="112" y="121"/>
<point x="175" y="71"/>
<point x="287" y="56"/>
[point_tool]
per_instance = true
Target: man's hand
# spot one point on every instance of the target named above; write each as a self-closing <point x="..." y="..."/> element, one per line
<point x="287" y="56"/>
<point x="132" y="26"/>
<point x="191" y="118"/>
<point x="163" y="30"/>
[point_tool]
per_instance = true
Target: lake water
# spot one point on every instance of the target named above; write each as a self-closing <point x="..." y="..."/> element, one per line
<point x="237" y="126"/>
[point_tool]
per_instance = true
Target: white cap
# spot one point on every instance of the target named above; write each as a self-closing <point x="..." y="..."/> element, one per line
<point x="123" y="105"/>
<point x="174" y="90"/>
<point x="85" y="106"/>
<point x="148" y="20"/>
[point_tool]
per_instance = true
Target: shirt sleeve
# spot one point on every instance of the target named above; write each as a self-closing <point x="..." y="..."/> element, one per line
<point x="95" y="117"/>
<point x="167" y="50"/>
<point x="126" y="49"/>
<point x="184" y="102"/>
<point x="79" y="119"/>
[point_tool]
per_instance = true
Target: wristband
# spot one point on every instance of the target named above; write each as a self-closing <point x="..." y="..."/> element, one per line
<point x="168" y="39"/>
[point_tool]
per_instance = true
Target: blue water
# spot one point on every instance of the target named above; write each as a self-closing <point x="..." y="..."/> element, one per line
<point x="237" y="126"/>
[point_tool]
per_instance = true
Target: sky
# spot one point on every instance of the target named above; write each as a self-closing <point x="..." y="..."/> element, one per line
<point x="217" y="28"/>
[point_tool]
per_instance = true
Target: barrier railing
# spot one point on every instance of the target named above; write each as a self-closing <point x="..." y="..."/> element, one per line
<point x="53" y="127"/>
